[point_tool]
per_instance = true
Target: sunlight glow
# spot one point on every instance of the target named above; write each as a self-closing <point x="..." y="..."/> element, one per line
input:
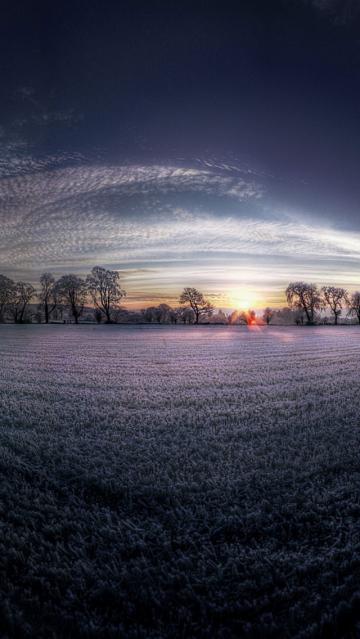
<point x="243" y="299"/>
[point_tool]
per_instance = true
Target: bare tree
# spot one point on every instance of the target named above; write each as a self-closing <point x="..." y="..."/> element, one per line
<point x="335" y="298"/>
<point x="305" y="297"/>
<point x="354" y="305"/>
<point x="121" y="315"/>
<point x="98" y="315"/>
<point x="48" y="295"/>
<point x="161" y="314"/>
<point x="286" y="315"/>
<point x="105" y="290"/>
<point x="176" y="315"/>
<point x="298" y="316"/>
<point x="268" y="314"/>
<point x="219" y="318"/>
<point x="71" y="291"/>
<point x="187" y="315"/>
<point x="196" y="301"/>
<point x="22" y="295"/>
<point x="7" y="291"/>
<point x="164" y="311"/>
<point x="149" y="313"/>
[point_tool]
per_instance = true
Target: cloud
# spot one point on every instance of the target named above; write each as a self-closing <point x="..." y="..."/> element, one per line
<point x="342" y="12"/>
<point x="129" y="217"/>
<point x="17" y="160"/>
<point x="73" y="214"/>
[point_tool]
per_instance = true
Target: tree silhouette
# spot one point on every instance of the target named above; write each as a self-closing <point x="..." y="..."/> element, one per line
<point x="22" y="295"/>
<point x="105" y="290"/>
<point x="7" y="291"/>
<point x="334" y="297"/>
<point x="193" y="298"/>
<point x="268" y="314"/>
<point x="354" y="305"/>
<point x="48" y="295"/>
<point x="71" y="290"/>
<point x="305" y="297"/>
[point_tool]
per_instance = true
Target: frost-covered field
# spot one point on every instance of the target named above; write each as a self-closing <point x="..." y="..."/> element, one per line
<point x="179" y="482"/>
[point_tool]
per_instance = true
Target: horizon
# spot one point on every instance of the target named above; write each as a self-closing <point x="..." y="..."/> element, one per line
<point x="244" y="299"/>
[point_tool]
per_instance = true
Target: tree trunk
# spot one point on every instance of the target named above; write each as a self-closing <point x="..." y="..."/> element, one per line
<point x="75" y="313"/>
<point x="46" y="313"/>
<point x="309" y="320"/>
<point x="22" y="313"/>
<point x="336" y="319"/>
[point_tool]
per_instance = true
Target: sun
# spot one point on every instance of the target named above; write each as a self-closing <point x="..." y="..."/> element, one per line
<point x="243" y="299"/>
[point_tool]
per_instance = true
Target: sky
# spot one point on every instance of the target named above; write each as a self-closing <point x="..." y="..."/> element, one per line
<point x="207" y="144"/>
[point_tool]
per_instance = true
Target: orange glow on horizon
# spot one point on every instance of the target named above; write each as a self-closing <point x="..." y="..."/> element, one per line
<point x="243" y="298"/>
<point x="240" y="300"/>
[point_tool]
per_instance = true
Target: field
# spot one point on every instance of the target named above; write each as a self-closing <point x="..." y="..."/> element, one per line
<point x="179" y="482"/>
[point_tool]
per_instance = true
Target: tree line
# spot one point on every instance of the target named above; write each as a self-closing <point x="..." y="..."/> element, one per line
<point x="102" y="289"/>
<point x="310" y="301"/>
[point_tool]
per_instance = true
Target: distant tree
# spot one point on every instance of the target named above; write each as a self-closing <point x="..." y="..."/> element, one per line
<point x="268" y="314"/>
<point x="157" y="314"/>
<point x="219" y="318"/>
<point x="105" y="290"/>
<point x="98" y="315"/>
<point x="176" y="315"/>
<point x="165" y="312"/>
<point x="22" y="295"/>
<point x="234" y="318"/>
<point x="247" y="317"/>
<point x="7" y="291"/>
<point x="354" y="305"/>
<point x="149" y="314"/>
<point x="48" y="295"/>
<point x="305" y="297"/>
<point x="242" y="317"/>
<point x="58" y="313"/>
<point x="71" y="291"/>
<point x="287" y="316"/>
<point x="187" y="315"/>
<point x="122" y="315"/>
<point x="162" y="314"/>
<point x="298" y="317"/>
<point x="196" y="301"/>
<point x="335" y="298"/>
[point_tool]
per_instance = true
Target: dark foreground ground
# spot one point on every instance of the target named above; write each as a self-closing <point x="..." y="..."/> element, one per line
<point x="184" y="482"/>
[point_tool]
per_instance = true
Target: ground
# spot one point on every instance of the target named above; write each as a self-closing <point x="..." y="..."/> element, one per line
<point x="179" y="482"/>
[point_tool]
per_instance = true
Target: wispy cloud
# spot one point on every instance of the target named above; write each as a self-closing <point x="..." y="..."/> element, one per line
<point x="342" y="12"/>
<point x="125" y="217"/>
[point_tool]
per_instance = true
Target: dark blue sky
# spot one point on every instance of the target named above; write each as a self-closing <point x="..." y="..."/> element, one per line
<point x="128" y="127"/>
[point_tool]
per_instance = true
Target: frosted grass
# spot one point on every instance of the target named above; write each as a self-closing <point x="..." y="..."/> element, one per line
<point x="179" y="482"/>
